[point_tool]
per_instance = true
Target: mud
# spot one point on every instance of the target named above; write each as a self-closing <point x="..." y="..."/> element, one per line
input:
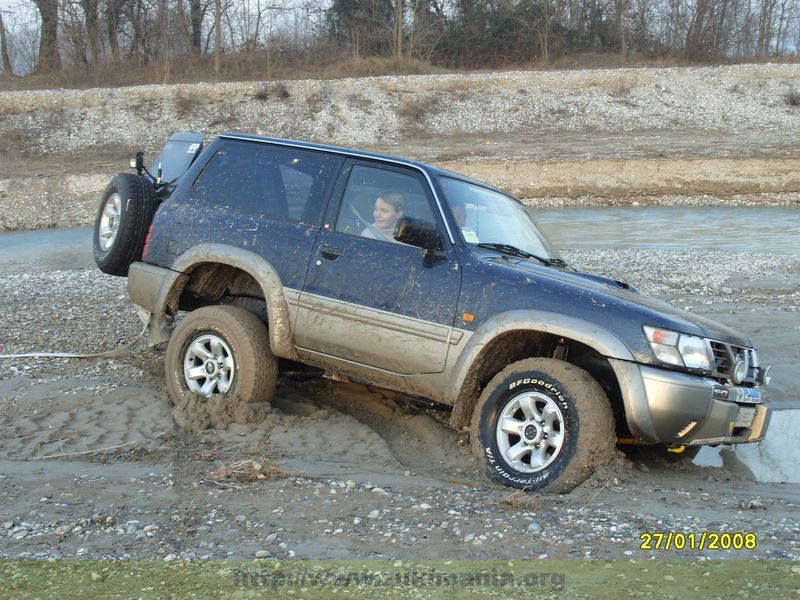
<point x="196" y="413"/>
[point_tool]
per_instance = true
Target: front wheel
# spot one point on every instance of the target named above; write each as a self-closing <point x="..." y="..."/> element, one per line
<point x="542" y="423"/>
<point x="221" y="350"/>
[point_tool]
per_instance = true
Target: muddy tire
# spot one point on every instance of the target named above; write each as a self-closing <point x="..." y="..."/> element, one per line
<point x="221" y="350"/>
<point x="120" y="228"/>
<point x="543" y="423"/>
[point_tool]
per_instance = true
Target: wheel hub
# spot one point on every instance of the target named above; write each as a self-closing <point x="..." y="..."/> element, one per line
<point x="532" y="432"/>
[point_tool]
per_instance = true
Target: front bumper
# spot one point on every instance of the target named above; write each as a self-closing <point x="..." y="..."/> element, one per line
<point x="676" y="408"/>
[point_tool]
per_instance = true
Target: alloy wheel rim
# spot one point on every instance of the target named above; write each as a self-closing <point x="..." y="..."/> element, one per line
<point x="530" y="432"/>
<point x="208" y="366"/>
<point x="109" y="221"/>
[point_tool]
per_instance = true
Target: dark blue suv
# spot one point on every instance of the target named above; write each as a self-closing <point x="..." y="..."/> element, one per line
<point x="413" y="278"/>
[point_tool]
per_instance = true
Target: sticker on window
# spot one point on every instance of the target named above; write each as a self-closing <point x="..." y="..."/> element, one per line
<point x="470" y="236"/>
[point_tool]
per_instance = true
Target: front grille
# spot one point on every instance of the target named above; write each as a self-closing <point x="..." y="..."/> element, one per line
<point x="727" y="355"/>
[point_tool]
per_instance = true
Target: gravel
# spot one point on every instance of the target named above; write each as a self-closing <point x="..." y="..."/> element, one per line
<point x="481" y="523"/>
<point x="172" y="511"/>
<point x="373" y="110"/>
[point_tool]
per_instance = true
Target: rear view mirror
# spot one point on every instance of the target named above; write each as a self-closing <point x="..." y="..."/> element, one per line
<point x="416" y="232"/>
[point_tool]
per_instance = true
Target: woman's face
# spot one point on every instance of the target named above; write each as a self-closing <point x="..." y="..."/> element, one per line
<point x="385" y="214"/>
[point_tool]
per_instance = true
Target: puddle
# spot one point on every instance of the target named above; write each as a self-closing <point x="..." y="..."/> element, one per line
<point x="771" y="460"/>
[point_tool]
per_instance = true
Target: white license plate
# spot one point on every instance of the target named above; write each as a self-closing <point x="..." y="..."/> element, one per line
<point x="745" y="417"/>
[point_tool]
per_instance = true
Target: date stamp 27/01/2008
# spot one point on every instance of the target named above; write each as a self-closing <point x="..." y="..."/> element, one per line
<point x="706" y="540"/>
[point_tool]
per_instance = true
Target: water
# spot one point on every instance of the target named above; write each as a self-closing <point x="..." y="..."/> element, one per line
<point x="736" y="229"/>
<point x="46" y="250"/>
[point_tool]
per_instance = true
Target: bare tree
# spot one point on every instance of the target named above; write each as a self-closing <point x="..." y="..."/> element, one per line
<point x="765" y="25"/>
<point x="49" y="59"/>
<point x="113" y="12"/>
<point x="8" y="70"/>
<point x="91" y="19"/>
<point x="217" y="34"/>
<point x="399" y="17"/>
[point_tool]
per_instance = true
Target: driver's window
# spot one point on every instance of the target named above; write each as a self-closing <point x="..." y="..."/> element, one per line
<point x="376" y="198"/>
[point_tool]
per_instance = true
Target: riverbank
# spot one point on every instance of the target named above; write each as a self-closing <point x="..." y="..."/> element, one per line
<point x="675" y="136"/>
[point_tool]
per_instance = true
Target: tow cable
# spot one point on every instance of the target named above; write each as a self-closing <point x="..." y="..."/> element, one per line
<point x="109" y="354"/>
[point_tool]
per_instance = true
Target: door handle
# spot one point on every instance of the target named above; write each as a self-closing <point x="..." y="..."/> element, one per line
<point x="331" y="253"/>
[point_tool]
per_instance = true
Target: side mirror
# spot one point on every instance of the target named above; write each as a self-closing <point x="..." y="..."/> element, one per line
<point x="138" y="162"/>
<point x="416" y="232"/>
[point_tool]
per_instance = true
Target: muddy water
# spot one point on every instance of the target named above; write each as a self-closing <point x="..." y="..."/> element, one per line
<point x="737" y="229"/>
<point x="767" y="229"/>
<point x="46" y="250"/>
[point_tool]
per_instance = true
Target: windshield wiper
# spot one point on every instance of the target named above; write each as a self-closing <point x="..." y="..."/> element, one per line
<point x="514" y="251"/>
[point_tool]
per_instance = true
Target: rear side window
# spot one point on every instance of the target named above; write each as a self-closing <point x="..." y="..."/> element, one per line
<point x="279" y="182"/>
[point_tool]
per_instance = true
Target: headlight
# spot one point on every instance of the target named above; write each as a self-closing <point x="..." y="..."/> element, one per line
<point x="679" y="349"/>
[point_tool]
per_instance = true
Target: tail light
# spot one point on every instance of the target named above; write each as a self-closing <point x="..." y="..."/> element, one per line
<point x="147" y="242"/>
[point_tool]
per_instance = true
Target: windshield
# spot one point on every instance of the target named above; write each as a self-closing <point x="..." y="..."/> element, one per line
<point x="488" y="217"/>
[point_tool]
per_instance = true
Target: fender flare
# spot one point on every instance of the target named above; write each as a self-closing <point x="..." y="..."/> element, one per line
<point x="535" y="321"/>
<point x="281" y="339"/>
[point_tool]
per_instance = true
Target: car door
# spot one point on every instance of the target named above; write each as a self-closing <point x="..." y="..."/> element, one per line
<point x="373" y="301"/>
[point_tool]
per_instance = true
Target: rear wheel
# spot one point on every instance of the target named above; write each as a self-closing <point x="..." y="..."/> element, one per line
<point x="542" y="423"/>
<point x="221" y="350"/>
<point x="122" y="221"/>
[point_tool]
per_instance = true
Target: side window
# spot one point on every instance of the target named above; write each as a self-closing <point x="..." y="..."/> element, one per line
<point x="279" y="182"/>
<point x="376" y="198"/>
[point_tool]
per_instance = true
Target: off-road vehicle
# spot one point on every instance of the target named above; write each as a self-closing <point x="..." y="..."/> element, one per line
<point x="413" y="278"/>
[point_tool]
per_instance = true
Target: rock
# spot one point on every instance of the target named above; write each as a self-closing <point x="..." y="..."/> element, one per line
<point x="263" y="554"/>
<point x="374" y="514"/>
<point x="534" y="527"/>
<point x="425" y="506"/>
<point x="170" y="557"/>
<point x="96" y="576"/>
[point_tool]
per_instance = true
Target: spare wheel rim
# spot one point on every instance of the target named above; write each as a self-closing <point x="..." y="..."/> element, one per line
<point x="109" y="221"/>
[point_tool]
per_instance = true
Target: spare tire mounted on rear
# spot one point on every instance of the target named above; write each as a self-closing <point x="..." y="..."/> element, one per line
<point x="120" y="228"/>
